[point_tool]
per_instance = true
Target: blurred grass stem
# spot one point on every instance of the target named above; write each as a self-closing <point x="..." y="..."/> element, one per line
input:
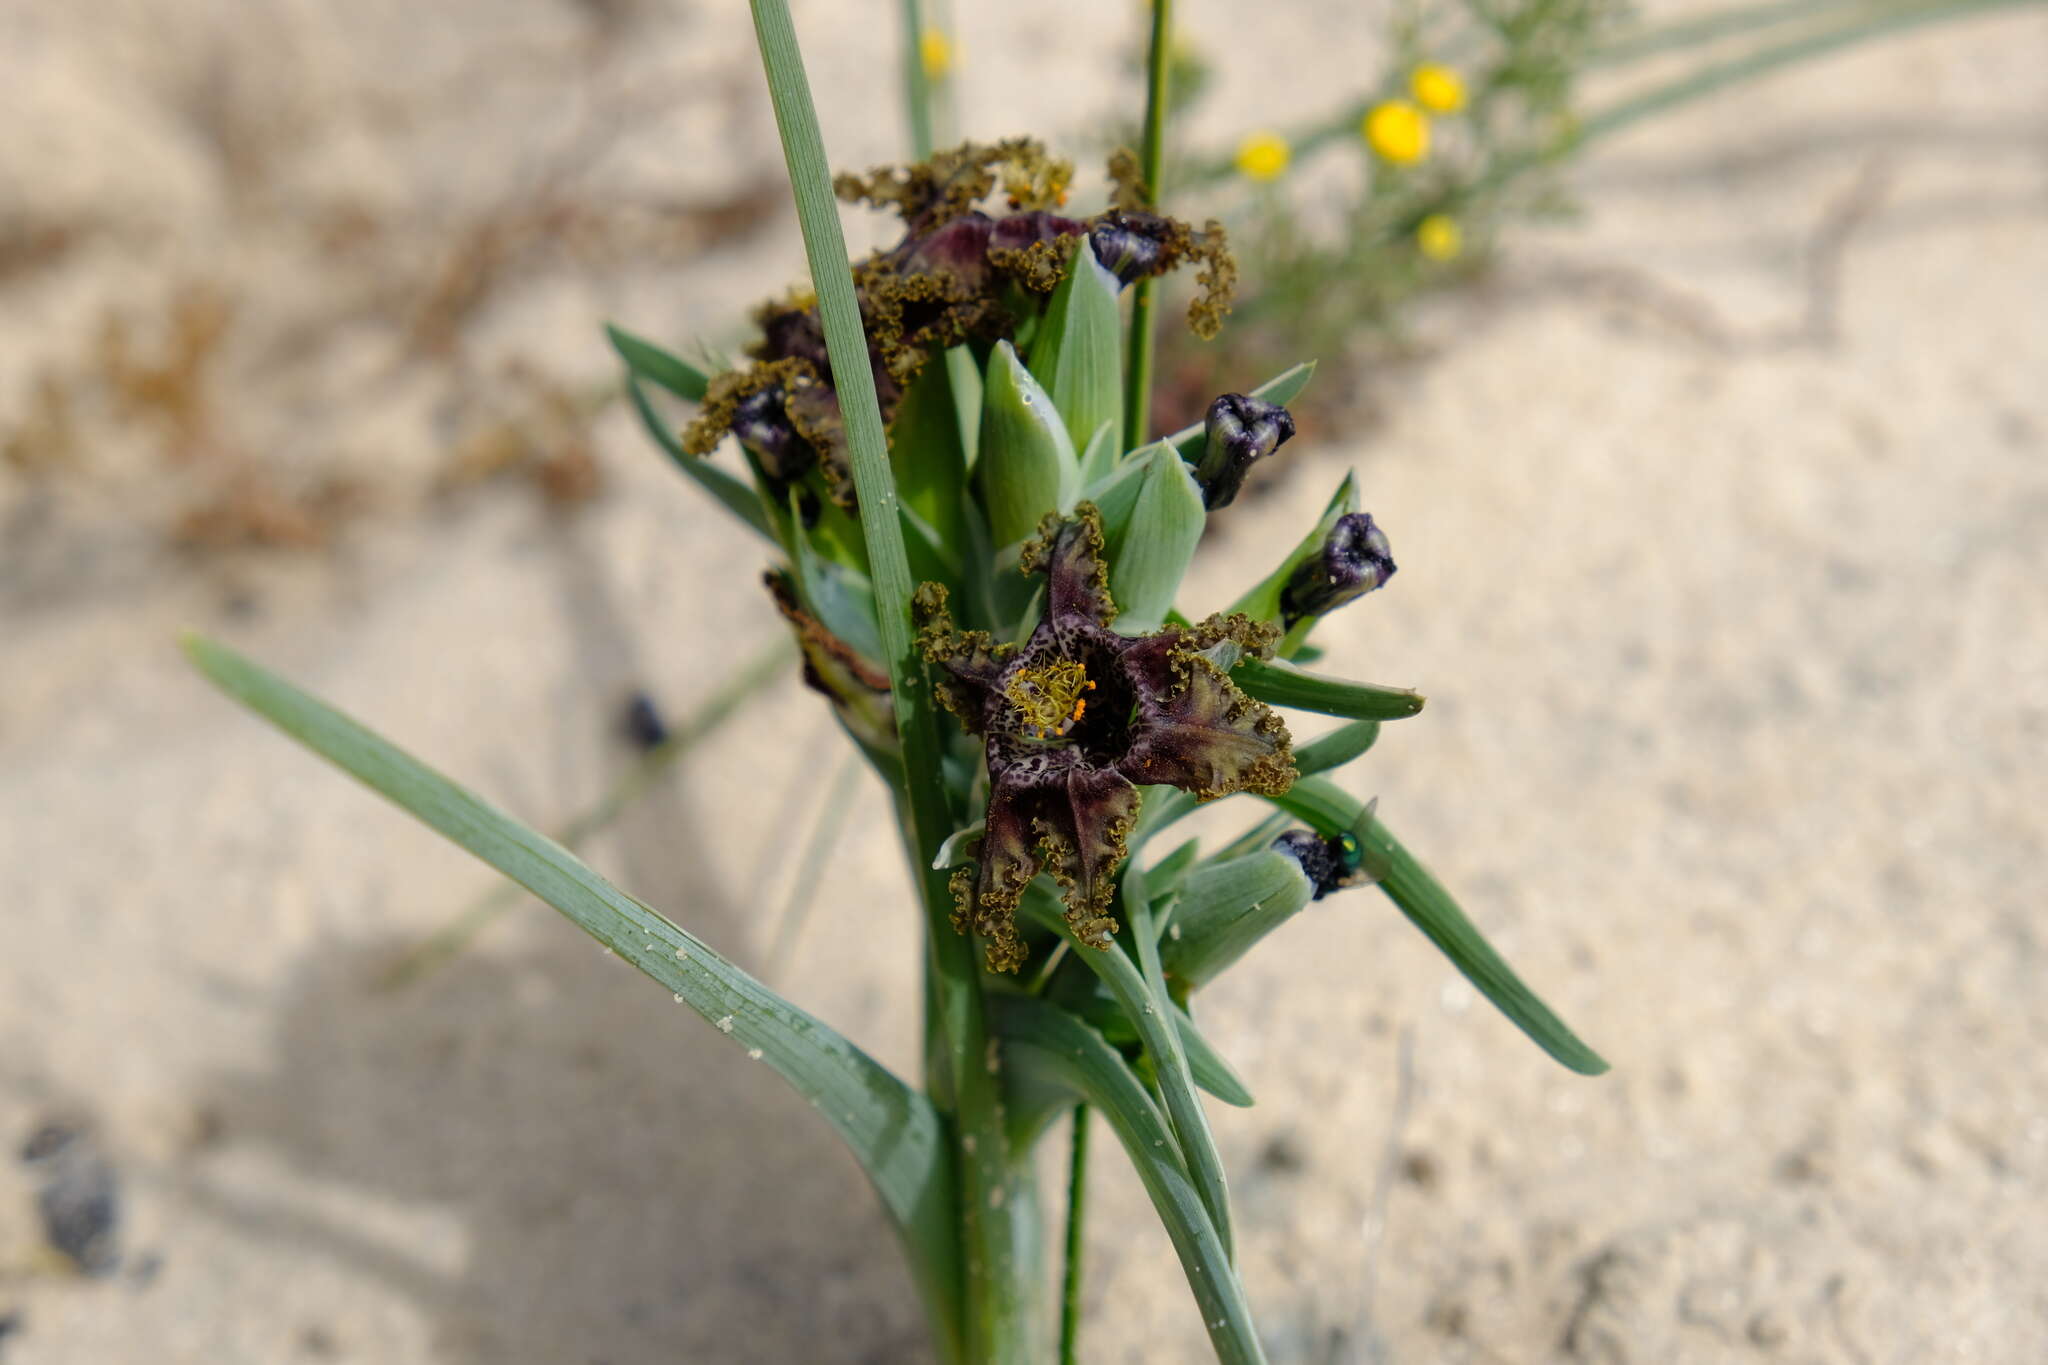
<point x="448" y="942"/>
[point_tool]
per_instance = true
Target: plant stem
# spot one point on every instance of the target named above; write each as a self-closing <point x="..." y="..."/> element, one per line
<point x="999" y="1284"/>
<point x="917" y="87"/>
<point x="1077" y="1202"/>
<point x="1151" y="167"/>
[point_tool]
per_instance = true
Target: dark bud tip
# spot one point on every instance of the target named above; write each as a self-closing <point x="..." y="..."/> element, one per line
<point x="1329" y="864"/>
<point x="1353" y="561"/>
<point x="1130" y="245"/>
<point x="761" y="422"/>
<point x="1241" y="432"/>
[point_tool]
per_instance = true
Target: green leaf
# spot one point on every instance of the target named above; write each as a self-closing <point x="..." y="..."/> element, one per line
<point x="1150" y="551"/>
<point x="1098" y="457"/>
<point x="1282" y="388"/>
<point x="1225" y="908"/>
<point x="926" y="452"/>
<point x="1282" y="684"/>
<point x="1337" y="748"/>
<point x="739" y="499"/>
<point x="1040" y="1038"/>
<point x="1027" y="466"/>
<point x="657" y="366"/>
<point x="1425" y="902"/>
<point x="841" y="598"/>
<point x="895" y="1133"/>
<point x="1078" y="351"/>
<point x="1210" y="1071"/>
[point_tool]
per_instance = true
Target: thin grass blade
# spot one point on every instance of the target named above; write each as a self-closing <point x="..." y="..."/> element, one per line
<point x="895" y="1133"/>
<point x="1425" y="902"/>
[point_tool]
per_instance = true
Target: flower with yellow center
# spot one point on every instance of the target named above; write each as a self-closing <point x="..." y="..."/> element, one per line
<point x="1262" y="156"/>
<point x="935" y="50"/>
<point x="1398" y="131"/>
<point x="1437" y="88"/>
<point x="1439" y="237"/>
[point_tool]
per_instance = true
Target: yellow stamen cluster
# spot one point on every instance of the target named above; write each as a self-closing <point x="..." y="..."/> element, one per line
<point x="1048" y="696"/>
<point x="1262" y="156"/>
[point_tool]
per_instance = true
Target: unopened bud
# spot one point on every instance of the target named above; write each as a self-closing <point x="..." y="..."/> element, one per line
<point x="1329" y="864"/>
<point x="761" y="422"/>
<point x="1241" y="432"/>
<point x="1352" y="560"/>
<point x="1130" y="244"/>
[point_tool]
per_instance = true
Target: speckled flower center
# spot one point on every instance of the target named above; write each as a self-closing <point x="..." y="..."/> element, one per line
<point x="1048" y="697"/>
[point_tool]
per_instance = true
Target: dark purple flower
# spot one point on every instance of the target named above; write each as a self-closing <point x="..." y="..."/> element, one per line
<point x="1077" y="720"/>
<point x="1241" y="431"/>
<point x="1351" y="562"/>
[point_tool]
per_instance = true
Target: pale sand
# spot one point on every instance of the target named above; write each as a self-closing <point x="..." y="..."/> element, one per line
<point x="1730" y="617"/>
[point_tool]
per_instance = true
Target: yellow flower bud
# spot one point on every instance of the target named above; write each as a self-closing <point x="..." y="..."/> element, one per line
<point x="1439" y="237"/>
<point x="1437" y="88"/>
<point x="1398" y="131"/>
<point x="935" y="50"/>
<point x="1262" y="156"/>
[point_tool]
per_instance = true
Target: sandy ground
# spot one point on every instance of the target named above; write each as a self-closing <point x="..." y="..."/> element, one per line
<point x="1723" y="525"/>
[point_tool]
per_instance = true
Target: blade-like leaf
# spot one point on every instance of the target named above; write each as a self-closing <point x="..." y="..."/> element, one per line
<point x="1225" y="908"/>
<point x="1282" y="388"/>
<point x="1149" y="552"/>
<point x="650" y="362"/>
<point x="894" y="1131"/>
<point x="1425" y="902"/>
<point x="739" y="499"/>
<point x="1078" y="351"/>
<point x="926" y="453"/>
<point x="1337" y="748"/>
<point x="1048" y="1040"/>
<point x="1282" y="684"/>
<point x="841" y="598"/>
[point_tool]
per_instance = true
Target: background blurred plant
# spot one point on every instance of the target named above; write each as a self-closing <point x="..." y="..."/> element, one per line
<point x="1468" y="129"/>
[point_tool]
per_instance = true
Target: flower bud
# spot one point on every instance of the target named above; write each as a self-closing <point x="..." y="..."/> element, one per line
<point x="1130" y="243"/>
<point x="1352" y="560"/>
<point x="1241" y="432"/>
<point x="761" y="422"/>
<point x="1330" y="864"/>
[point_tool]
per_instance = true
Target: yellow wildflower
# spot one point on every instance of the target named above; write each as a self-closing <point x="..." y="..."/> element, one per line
<point x="1437" y="88"/>
<point x="1439" y="237"/>
<point x="1262" y="156"/>
<point x="935" y="50"/>
<point x="1398" y="131"/>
